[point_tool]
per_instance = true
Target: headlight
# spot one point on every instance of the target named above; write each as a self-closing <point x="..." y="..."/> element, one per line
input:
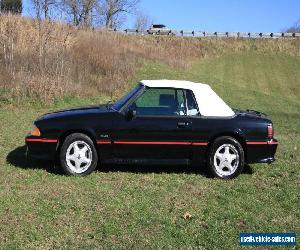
<point x="35" y="131"/>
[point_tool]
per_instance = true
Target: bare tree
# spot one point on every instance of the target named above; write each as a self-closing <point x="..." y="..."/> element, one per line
<point x="294" y="28"/>
<point x="37" y="5"/>
<point x="112" y="11"/>
<point x="42" y="8"/>
<point x="80" y="10"/>
<point x="142" y="22"/>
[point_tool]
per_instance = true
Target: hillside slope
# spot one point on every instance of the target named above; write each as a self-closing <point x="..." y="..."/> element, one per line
<point x="47" y="61"/>
<point x="143" y="207"/>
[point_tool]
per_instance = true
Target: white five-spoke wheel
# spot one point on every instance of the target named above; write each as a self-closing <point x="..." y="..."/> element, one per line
<point x="78" y="155"/>
<point x="226" y="157"/>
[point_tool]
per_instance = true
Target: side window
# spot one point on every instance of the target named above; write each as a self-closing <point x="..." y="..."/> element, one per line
<point x="161" y="102"/>
<point x="192" y="108"/>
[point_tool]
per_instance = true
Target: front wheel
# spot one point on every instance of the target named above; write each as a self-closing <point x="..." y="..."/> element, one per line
<point x="226" y="158"/>
<point x="78" y="155"/>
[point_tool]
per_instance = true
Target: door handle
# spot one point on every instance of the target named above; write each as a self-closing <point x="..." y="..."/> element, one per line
<point x="182" y="124"/>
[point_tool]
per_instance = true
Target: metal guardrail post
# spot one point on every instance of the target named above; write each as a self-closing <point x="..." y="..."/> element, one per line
<point x="212" y="34"/>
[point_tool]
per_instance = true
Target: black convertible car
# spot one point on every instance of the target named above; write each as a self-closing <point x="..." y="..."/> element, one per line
<point x="158" y="122"/>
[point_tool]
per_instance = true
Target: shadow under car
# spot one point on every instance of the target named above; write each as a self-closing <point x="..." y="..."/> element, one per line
<point x="17" y="158"/>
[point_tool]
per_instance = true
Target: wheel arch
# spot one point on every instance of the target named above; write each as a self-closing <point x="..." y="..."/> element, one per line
<point x="234" y="134"/>
<point x="65" y="134"/>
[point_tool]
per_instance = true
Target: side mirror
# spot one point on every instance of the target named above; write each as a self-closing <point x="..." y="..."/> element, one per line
<point x="130" y="114"/>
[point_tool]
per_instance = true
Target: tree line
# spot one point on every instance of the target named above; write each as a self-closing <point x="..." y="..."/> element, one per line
<point x="86" y="13"/>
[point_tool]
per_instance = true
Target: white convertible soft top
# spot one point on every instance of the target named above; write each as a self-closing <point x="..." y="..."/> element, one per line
<point x="209" y="103"/>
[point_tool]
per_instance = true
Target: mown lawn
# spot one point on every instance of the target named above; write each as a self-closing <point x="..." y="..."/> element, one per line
<point x="143" y="207"/>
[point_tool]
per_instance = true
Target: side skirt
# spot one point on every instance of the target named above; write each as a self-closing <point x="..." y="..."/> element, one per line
<point x="148" y="161"/>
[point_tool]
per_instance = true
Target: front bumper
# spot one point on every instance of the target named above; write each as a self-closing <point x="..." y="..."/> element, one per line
<point x="261" y="152"/>
<point x="41" y="148"/>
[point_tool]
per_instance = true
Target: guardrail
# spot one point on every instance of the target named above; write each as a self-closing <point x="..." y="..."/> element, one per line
<point x="211" y="34"/>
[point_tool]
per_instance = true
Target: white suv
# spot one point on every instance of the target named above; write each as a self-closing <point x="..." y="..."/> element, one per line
<point x="160" y="29"/>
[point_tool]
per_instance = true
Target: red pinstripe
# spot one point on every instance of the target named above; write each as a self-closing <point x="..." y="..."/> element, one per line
<point x="104" y="142"/>
<point x="161" y="143"/>
<point x="262" y="143"/>
<point x="199" y="143"/>
<point x="41" y="140"/>
<point x="152" y="143"/>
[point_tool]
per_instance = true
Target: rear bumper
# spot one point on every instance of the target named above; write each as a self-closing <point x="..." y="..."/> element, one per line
<point x="261" y="151"/>
<point x="41" y="148"/>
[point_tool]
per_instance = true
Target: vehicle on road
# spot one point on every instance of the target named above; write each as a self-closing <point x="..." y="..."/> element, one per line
<point x="160" y="29"/>
<point x="157" y="122"/>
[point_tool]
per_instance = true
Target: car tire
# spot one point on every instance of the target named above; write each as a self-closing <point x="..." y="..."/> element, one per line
<point x="226" y="158"/>
<point x="78" y="155"/>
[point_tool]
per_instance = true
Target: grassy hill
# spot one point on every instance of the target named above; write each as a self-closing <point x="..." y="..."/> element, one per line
<point x="137" y="207"/>
<point x="47" y="61"/>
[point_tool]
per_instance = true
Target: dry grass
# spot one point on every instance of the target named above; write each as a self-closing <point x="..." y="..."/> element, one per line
<point x="48" y="60"/>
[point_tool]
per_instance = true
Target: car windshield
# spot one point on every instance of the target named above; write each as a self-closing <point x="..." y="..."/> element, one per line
<point x="121" y="102"/>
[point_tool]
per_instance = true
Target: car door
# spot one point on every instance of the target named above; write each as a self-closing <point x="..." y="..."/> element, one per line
<point x="158" y="127"/>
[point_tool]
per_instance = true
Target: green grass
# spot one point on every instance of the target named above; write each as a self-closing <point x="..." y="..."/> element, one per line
<point x="143" y="207"/>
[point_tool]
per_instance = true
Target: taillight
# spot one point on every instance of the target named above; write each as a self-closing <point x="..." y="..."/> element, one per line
<point x="270" y="131"/>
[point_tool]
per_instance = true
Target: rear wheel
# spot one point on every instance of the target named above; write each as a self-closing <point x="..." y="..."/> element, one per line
<point x="78" y="155"/>
<point x="226" y="158"/>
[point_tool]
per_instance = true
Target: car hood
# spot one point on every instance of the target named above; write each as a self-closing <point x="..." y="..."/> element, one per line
<point x="75" y="111"/>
